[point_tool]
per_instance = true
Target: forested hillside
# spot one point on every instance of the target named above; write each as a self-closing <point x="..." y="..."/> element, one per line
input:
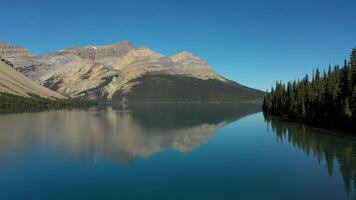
<point x="327" y="99"/>
<point x="14" y="102"/>
<point x="177" y="88"/>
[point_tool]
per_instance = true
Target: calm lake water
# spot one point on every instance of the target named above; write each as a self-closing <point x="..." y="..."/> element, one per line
<point x="170" y="152"/>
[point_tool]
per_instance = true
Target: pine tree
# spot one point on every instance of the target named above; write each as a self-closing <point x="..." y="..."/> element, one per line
<point x="353" y="102"/>
<point x="346" y="111"/>
<point x="353" y="66"/>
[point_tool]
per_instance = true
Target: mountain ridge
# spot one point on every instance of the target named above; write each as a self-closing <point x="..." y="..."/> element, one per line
<point x="99" y="72"/>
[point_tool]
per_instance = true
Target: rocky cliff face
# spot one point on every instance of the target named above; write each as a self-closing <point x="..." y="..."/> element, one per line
<point x="101" y="52"/>
<point x="115" y="71"/>
<point x="15" y="83"/>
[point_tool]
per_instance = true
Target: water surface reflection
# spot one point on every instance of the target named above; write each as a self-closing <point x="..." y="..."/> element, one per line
<point x="322" y="145"/>
<point x="115" y="134"/>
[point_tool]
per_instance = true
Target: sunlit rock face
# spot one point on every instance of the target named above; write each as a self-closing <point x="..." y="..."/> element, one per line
<point x="116" y="135"/>
<point x="15" y="83"/>
<point x="103" y="71"/>
<point x="190" y="65"/>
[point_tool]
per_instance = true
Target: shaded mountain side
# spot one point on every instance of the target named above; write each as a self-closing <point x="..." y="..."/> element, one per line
<point x="177" y="88"/>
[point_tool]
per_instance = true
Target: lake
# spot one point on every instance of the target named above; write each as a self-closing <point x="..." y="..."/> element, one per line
<point x="171" y="152"/>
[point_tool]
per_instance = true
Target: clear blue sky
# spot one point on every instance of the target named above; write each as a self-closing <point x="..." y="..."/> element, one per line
<point x="252" y="42"/>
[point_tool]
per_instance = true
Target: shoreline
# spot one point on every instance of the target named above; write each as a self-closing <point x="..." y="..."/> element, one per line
<point x="331" y="131"/>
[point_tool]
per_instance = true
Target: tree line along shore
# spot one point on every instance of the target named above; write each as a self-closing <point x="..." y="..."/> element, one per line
<point x="326" y="99"/>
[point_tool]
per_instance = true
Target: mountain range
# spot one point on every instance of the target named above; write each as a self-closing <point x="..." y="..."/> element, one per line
<point x="121" y="72"/>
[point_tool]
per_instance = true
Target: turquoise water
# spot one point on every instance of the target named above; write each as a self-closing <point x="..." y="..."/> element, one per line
<point x="170" y="152"/>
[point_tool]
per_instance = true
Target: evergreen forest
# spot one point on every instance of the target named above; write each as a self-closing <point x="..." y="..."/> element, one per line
<point x="326" y="99"/>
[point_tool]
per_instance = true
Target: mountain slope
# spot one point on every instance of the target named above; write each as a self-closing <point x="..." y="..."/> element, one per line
<point x="13" y="82"/>
<point x="167" y="88"/>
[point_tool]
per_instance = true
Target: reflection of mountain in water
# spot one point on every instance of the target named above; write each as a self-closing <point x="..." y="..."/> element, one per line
<point x="121" y="135"/>
<point x="176" y="116"/>
<point x="323" y="146"/>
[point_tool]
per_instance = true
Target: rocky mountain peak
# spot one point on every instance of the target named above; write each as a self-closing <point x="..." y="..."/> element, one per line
<point x="126" y="43"/>
<point x="187" y="60"/>
<point x="182" y="56"/>
<point x="145" y="52"/>
<point x="7" y="50"/>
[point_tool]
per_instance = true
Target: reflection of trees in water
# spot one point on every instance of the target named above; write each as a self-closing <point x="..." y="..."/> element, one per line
<point x="322" y="146"/>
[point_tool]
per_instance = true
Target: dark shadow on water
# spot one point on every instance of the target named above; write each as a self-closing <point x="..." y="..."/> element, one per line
<point x="323" y="146"/>
<point x="168" y="116"/>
